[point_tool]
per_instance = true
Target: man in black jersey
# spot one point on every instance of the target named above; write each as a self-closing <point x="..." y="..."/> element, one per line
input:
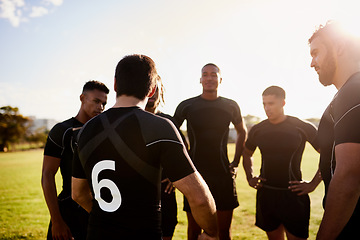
<point x="336" y="58"/>
<point x="117" y="168"/>
<point x="208" y="118"/>
<point x="282" y="201"/>
<point x="168" y="197"/>
<point x="68" y="219"/>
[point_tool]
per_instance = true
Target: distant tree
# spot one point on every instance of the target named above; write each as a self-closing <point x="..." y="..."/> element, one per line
<point x="12" y="126"/>
<point x="251" y="120"/>
<point x="38" y="135"/>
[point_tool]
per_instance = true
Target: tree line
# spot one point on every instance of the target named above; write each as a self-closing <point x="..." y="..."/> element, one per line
<point x="16" y="129"/>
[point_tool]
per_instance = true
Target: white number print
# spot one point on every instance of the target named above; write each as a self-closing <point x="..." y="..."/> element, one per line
<point x="116" y="201"/>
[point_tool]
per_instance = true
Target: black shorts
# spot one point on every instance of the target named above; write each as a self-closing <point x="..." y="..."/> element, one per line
<point x="168" y="212"/>
<point x="224" y="192"/>
<point x="74" y="216"/>
<point x="276" y="207"/>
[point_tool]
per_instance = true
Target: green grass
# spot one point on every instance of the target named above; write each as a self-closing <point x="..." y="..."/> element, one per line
<point x="24" y="215"/>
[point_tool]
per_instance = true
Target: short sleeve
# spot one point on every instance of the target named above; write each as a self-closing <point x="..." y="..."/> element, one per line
<point x="346" y="128"/>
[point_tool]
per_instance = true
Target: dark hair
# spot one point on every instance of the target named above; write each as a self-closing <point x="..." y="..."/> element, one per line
<point x="211" y="64"/>
<point x="93" y="84"/>
<point x="274" y="90"/>
<point x="135" y="75"/>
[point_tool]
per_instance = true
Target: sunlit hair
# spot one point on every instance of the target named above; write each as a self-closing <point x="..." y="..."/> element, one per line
<point x="93" y="84"/>
<point x="161" y="89"/>
<point x="274" y="90"/>
<point x="135" y="75"/>
<point x="334" y="31"/>
<point x="212" y="64"/>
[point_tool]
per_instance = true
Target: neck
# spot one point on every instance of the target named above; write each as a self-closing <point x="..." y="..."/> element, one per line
<point x="210" y="95"/>
<point x="344" y="72"/>
<point x="278" y="120"/>
<point x="82" y="117"/>
<point x="130" y="101"/>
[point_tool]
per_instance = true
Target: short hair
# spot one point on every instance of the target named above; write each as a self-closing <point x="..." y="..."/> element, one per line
<point x="211" y="64"/>
<point x="274" y="90"/>
<point x="135" y="75"/>
<point x="334" y="31"/>
<point x="93" y="84"/>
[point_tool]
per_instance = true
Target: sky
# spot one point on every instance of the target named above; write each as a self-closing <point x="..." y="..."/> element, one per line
<point x="50" y="48"/>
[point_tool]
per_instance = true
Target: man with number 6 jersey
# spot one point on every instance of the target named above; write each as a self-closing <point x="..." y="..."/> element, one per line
<point x="117" y="168"/>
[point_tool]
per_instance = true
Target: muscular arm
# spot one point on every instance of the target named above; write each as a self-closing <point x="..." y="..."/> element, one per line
<point x="81" y="193"/>
<point x="50" y="167"/>
<point x="344" y="191"/>
<point x="254" y="182"/>
<point x="240" y="140"/>
<point x="201" y="202"/>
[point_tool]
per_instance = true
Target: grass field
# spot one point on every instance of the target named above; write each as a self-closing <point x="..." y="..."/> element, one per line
<point x="24" y="215"/>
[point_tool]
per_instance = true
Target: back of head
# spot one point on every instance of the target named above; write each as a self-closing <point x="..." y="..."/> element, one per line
<point x="333" y="32"/>
<point x="92" y="85"/>
<point x="274" y="90"/>
<point x="135" y="75"/>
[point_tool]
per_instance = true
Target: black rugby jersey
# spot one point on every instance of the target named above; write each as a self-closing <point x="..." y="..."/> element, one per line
<point x="59" y="145"/>
<point x="208" y="131"/>
<point x="121" y="152"/>
<point x="281" y="146"/>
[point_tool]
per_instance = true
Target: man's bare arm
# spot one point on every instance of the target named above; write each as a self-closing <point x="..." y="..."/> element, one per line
<point x="49" y="169"/>
<point x="344" y="191"/>
<point x="201" y="202"/>
<point x="81" y="193"/>
<point x="240" y="140"/>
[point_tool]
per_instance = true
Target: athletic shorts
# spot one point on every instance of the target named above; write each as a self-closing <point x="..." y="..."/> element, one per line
<point x="275" y="207"/>
<point x="74" y="216"/>
<point x="168" y="212"/>
<point x="224" y="192"/>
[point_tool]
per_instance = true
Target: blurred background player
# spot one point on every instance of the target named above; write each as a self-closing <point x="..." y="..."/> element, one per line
<point x="68" y="219"/>
<point x="282" y="201"/>
<point x="208" y="118"/>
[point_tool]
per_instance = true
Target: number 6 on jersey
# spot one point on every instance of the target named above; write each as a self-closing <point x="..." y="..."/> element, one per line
<point x="116" y="196"/>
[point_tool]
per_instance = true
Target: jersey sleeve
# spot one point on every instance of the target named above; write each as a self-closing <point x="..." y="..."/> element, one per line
<point x="250" y="141"/>
<point x="345" y="128"/>
<point x="179" y="116"/>
<point x="236" y="118"/>
<point x="310" y="132"/>
<point x="54" y="143"/>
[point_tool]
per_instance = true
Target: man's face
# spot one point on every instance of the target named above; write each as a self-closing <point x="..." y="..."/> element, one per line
<point x="93" y="102"/>
<point x="210" y="78"/>
<point x="323" y="61"/>
<point x="273" y="106"/>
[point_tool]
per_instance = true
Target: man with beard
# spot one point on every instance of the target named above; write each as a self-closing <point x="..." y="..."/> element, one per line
<point x="335" y="57"/>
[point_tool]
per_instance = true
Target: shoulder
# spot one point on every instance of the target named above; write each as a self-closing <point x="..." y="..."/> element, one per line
<point x="347" y="98"/>
<point x="62" y="127"/>
<point x="189" y="101"/>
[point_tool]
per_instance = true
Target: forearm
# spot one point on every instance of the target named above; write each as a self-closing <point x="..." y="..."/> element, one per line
<point x="205" y="216"/>
<point x="247" y="165"/>
<point x="201" y="202"/>
<point x="81" y="193"/>
<point x="50" y="194"/>
<point x="316" y="179"/>
<point x="341" y="201"/>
